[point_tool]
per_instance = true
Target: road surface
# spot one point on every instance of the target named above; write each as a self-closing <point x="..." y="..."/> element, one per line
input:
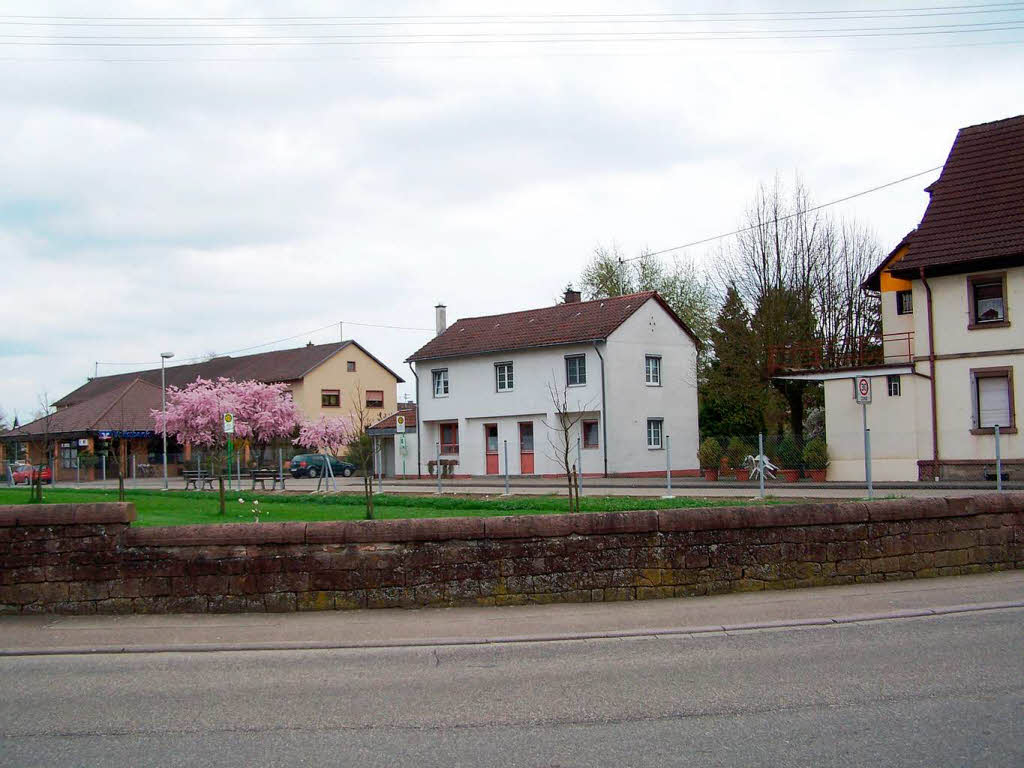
<point x="939" y="691"/>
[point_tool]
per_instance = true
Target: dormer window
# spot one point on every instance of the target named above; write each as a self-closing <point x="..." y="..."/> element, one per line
<point x="986" y="296"/>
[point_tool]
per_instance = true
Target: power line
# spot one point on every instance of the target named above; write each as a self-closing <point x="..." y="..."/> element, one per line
<point x="782" y="218"/>
<point x="200" y="358"/>
<point x="508" y="16"/>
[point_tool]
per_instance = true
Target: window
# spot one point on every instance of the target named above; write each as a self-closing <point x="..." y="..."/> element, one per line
<point x="351" y="366"/>
<point x="450" y="438"/>
<point x="440" y="382"/>
<point x="375" y="398"/>
<point x="904" y="302"/>
<point x="576" y="370"/>
<point x="591" y="434"/>
<point x="503" y="376"/>
<point x="992" y="392"/>
<point x="652" y="370"/>
<point x="654" y="433"/>
<point x="894" y="385"/>
<point x="986" y="297"/>
<point x="330" y="398"/>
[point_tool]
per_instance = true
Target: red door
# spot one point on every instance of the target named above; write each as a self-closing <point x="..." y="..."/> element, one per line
<point x="491" y="448"/>
<point x="526" y="447"/>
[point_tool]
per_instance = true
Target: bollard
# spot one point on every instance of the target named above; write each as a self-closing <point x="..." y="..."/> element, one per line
<point x="579" y="474"/>
<point x="280" y="468"/>
<point x="103" y="462"/>
<point x="437" y="463"/>
<point x="506" y="467"/>
<point x="668" y="468"/>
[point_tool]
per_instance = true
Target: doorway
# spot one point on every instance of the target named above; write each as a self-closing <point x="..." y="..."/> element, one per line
<point x="491" y="448"/>
<point x="526" y="447"/>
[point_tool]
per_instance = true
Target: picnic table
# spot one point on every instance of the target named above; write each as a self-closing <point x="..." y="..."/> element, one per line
<point x="262" y="475"/>
<point x="197" y="479"/>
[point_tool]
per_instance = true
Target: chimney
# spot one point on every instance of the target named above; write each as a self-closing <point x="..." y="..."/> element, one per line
<point x="571" y="296"/>
<point x="440" y="318"/>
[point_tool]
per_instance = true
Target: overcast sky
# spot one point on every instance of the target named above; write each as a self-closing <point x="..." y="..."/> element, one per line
<point x="168" y="200"/>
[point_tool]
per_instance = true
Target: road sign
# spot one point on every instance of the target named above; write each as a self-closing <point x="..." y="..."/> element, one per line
<point x="399" y="423"/>
<point x="229" y="424"/>
<point x="862" y="389"/>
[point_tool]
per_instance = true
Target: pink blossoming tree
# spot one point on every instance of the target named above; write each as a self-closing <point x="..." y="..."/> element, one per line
<point x="326" y="435"/>
<point x="195" y="414"/>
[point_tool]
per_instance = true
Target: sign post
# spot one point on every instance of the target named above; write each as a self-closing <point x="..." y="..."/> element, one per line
<point x="862" y="394"/>
<point x="229" y="430"/>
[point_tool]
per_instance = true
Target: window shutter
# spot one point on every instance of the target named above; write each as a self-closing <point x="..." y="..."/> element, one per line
<point x="993" y="402"/>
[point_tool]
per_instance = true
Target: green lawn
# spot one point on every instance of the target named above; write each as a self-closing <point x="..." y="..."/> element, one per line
<point x="181" y="508"/>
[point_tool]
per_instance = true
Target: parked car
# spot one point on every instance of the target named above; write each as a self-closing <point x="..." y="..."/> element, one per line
<point x="27" y="474"/>
<point x="315" y="464"/>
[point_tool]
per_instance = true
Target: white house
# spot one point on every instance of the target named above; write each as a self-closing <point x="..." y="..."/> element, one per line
<point x="626" y="366"/>
<point x="951" y="291"/>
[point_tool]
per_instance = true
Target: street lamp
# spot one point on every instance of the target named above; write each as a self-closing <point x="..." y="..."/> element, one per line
<point x="164" y="356"/>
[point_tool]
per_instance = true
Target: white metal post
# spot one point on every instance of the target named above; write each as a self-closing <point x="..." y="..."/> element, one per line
<point x="506" y="468"/>
<point x="379" y="459"/>
<point x="134" y="478"/>
<point x="103" y="464"/>
<point x="867" y="451"/>
<point x="999" y="463"/>
<point x="437" y="463"/>
<point x="668" y="468"/>
<point x="760" y="462"/>
<point x="280" y="467"/>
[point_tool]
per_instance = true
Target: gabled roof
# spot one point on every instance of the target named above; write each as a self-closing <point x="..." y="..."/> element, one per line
<point x="387" y="424"/>
<point x="874" y="280"/>
<point x="125" y="408"/>
<point x="279" y="365"/>
<point x="571" y="323"/>
<point x="976" y="212"/>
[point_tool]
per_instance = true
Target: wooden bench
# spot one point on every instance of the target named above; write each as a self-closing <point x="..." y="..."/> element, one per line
<point x="197" y="479"/>
<point x="262" y="475"/>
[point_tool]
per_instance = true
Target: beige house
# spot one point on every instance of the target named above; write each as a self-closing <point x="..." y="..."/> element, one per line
<point x="950" y="364"/>
<point x="339" y="379"/>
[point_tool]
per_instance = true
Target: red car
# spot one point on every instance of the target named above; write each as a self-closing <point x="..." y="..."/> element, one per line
<point x="28" y="474"/>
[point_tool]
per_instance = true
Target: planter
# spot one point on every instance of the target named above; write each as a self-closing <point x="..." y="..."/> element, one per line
<point x="816" y="475"/>
<point x="743" y="475"/>
<point x="789" y="475"/>
<point x="711" y="474"/>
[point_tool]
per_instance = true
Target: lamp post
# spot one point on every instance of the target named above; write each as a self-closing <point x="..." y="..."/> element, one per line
<point x="164" y="357"/>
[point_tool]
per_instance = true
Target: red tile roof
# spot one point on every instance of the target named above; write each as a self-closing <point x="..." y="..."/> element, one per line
<point x="279" y="365"/>
<point x="976" y="211"/>
<point x="571" y="323"/>
<point x="125" y="408"/>
<point x="388" y="422"/>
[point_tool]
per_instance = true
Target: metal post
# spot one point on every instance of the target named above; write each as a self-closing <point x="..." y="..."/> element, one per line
<point x="760" y="462"/>
<point x="506" y="467"/>
<point x="78" y="480"/>
<point x="437" y="463"/>
<point x="379" y="451"/>
<point x="103" y="464"/>
<point x="579" y="463"/>
<point x="280" y="468"/>
<point x="668" y="466"/>
<point x="867" y="451"/>
<point x="134" y="478"/>
<point x="999" y="463"/>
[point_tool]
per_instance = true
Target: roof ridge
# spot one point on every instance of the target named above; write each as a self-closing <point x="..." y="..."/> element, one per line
<point x="991" y="123"/>
<point x="620" y="297"/>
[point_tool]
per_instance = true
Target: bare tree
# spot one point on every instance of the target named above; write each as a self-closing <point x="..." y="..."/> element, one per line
<point x="45" y="415"/>
<point x="361" y="447"/>
<point x="799" y="272"/>
<point x="559" y="437"/>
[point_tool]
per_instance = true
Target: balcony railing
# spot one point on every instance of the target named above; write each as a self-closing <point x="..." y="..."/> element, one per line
<point x="889" y="348"/>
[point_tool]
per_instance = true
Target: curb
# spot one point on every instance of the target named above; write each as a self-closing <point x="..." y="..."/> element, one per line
<point x="908" y="613"/>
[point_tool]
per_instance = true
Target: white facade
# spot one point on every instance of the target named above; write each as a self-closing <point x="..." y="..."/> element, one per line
<point x="901" y="426"/>
<point x="621" y="404"/>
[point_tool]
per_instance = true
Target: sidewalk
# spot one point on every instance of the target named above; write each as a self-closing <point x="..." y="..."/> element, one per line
<point x="29" y="635"/>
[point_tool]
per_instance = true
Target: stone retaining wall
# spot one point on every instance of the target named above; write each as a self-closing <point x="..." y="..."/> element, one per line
<point x="87" y="558"/>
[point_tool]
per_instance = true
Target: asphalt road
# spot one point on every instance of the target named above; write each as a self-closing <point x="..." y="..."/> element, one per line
<point x="940" y="691"/>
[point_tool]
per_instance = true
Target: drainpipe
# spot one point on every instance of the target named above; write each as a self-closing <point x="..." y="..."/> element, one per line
<point x="419" y="414"/>
<point x="931" y="370"/>
<point x="604" y="412"/>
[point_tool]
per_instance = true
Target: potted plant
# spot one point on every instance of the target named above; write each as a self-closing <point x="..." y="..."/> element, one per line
<point x="789" y="460"/>
<point x="710" y="456"/>
<point x="816" y="459"/>
<point x="736" y="453"/>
